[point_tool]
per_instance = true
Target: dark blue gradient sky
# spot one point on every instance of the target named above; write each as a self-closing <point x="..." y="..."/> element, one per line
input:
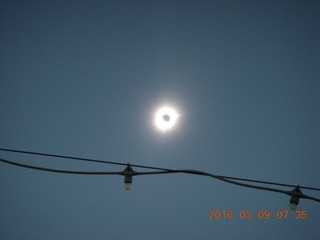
<point x="83" y="78"/>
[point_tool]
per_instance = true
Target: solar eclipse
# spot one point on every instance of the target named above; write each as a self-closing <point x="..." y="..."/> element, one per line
<point x="166" y="118"/>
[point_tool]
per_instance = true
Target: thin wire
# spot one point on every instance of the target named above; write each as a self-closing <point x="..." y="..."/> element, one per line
<point x="148" y="167"/>
<point x="81" y="159"/>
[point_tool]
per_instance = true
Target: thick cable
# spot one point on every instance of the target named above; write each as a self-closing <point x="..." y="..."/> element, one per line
<point x="134" y="173"/>
<point x="57" y="170"/>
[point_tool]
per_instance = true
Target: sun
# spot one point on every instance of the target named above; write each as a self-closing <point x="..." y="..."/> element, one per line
<point x="166" y="118"/>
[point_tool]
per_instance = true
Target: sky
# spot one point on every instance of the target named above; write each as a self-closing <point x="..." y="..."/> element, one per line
<point x="84" y="78"/>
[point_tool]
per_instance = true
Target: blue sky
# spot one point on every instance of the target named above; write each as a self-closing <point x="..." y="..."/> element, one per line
<point x="83" y="78"/>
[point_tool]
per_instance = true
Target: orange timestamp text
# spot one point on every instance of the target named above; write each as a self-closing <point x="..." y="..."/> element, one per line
<point x="258" y="215"/>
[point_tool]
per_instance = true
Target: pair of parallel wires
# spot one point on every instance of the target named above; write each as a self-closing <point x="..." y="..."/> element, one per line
<point x="131" y="172"/>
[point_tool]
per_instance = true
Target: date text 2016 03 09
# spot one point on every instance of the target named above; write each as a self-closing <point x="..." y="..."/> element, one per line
<point x="258" y="215"/>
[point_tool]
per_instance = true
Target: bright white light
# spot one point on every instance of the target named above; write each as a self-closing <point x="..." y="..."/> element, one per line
<point x="127" y="186"/>
<point x="166" y="118"/>
<point x="293" y="206"/>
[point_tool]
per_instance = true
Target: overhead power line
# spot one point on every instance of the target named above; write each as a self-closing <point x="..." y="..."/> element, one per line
<point x="129" y="172"/>
<point x="132" y="165"/>
<point x="57" y="170"/>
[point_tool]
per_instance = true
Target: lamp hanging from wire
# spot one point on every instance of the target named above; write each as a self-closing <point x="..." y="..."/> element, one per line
<point x="128" y="177"/>
<point x="294" y="201"/>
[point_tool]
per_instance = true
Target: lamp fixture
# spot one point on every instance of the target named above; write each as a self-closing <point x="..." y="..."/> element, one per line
<point x="128" y="177"/>
<point x="294" y="201"/>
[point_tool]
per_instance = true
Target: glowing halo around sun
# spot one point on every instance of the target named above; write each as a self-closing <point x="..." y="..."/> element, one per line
<point x="166" y="118"/>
